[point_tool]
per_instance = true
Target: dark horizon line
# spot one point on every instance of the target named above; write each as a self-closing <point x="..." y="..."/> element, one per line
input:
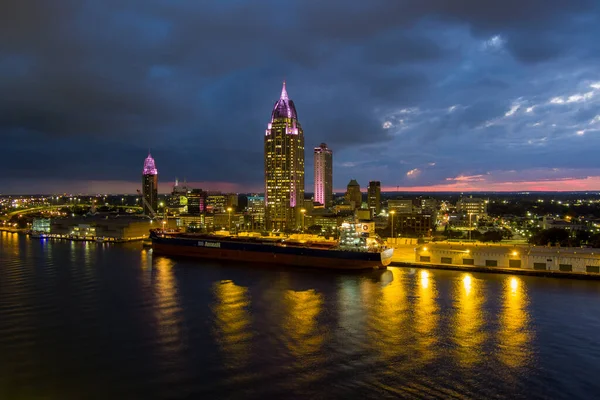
<point x="336" y="193"/>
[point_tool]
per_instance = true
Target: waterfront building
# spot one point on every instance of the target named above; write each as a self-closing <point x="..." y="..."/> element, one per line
<point x="374" y="197"/>
<point x="150" y="185"/>
<point x="538" y="258"/>
<point x="108" y="227"/>
<point x="41" y="225"/>
<point x="284" y="166"/>
<point x="353" y="194"/>
<point x="323" y="160"/>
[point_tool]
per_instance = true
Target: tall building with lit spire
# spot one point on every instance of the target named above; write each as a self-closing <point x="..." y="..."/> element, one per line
<point x="323" y="175"/>
<point x="150" y="184"/>
<point x="284" y="166"/>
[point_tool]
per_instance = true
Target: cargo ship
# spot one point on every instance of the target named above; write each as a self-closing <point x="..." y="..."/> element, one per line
<point x="358" y="248"/>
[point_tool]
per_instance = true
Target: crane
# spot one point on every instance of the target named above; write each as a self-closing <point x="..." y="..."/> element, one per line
<point x="153" y="213"/>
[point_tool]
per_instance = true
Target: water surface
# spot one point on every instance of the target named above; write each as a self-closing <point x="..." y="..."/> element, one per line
<point x="96" y="321"/>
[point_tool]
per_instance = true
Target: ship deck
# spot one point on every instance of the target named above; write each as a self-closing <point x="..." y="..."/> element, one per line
<point x="256" y="240"/>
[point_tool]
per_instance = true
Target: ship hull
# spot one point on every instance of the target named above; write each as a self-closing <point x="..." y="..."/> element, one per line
<point x="266" y="254"/>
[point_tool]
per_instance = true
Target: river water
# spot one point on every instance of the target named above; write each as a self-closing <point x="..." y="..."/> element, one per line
<point x="98" y="321"/>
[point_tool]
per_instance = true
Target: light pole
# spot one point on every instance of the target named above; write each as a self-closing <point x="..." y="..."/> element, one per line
<point x="303" y="211"/>
<point x="229" y="209"/>
<point x="470" y="226"/>
<point x="392" y="224"/>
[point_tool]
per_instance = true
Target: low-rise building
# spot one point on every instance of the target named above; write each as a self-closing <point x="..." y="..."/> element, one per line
<point x="505" y="256"/>
<point x="401" y="206"/>
<point x="476" y="207"/>
<point x="41" y="225"/>
<point x="107" y="227"/>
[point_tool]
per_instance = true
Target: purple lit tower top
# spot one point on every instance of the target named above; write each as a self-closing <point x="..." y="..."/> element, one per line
<point x="149" y="166"/>
<point x="284" y="107"/>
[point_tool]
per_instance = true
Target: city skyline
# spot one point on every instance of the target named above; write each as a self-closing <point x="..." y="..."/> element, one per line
<point x="473" y="97"/>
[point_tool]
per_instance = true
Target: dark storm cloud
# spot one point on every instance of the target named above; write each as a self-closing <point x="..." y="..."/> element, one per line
<point x="396" y="49"/>
<point x="88" y="87"/>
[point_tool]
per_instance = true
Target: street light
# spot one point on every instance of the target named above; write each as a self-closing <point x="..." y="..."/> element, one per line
<point x="229" y="209"/>
<point x="303" y="211"/>
<point x="470" y="226"/>
<point x="392" y="225"/>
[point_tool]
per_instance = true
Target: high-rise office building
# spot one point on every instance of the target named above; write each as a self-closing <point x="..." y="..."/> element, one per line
<point x="323" y="175"/>
<point x="353" y="194"/>
<point x="374" y="197"/>
<point x="150" y="185"/>
<point x="284" y="166"/>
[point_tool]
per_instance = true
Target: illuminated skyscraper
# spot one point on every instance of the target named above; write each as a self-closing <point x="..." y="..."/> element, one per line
<point x="323" y="175"/>
<point x="284" y="166"/>
<point x="374" y="197"/>
<point x="150" y="184"/>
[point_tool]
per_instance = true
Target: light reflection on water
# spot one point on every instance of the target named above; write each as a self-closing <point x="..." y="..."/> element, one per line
<point x="426" y="317"/>
<point x="232" y="325"/>
<point x="303" y="335"/>
<point x="197" y="328"/>
<point x="468" y="321"/>
<point x="514" y="336"/>
<point x="169" y="319"/>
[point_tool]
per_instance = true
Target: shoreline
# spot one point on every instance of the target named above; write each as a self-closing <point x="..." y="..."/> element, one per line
<point x="499" y="270"/>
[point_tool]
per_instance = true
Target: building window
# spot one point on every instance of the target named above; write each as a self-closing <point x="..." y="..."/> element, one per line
<point x="592" y="269"/>
<point x="514" y="263"/>
<point x="425" y="259"/>
<point x="446" y="260"/>
<point x="491" y="263"/>
<point x="468" y="261"/>
<point x="539" y="266"/>
<point x="565" y="267"/>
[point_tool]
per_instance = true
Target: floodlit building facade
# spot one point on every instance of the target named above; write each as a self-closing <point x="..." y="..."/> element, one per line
<point x="284" y="166"/>
<point x="323" y="160"/>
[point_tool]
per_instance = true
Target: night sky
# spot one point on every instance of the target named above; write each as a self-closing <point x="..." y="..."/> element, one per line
<point x="421" y="95"/>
